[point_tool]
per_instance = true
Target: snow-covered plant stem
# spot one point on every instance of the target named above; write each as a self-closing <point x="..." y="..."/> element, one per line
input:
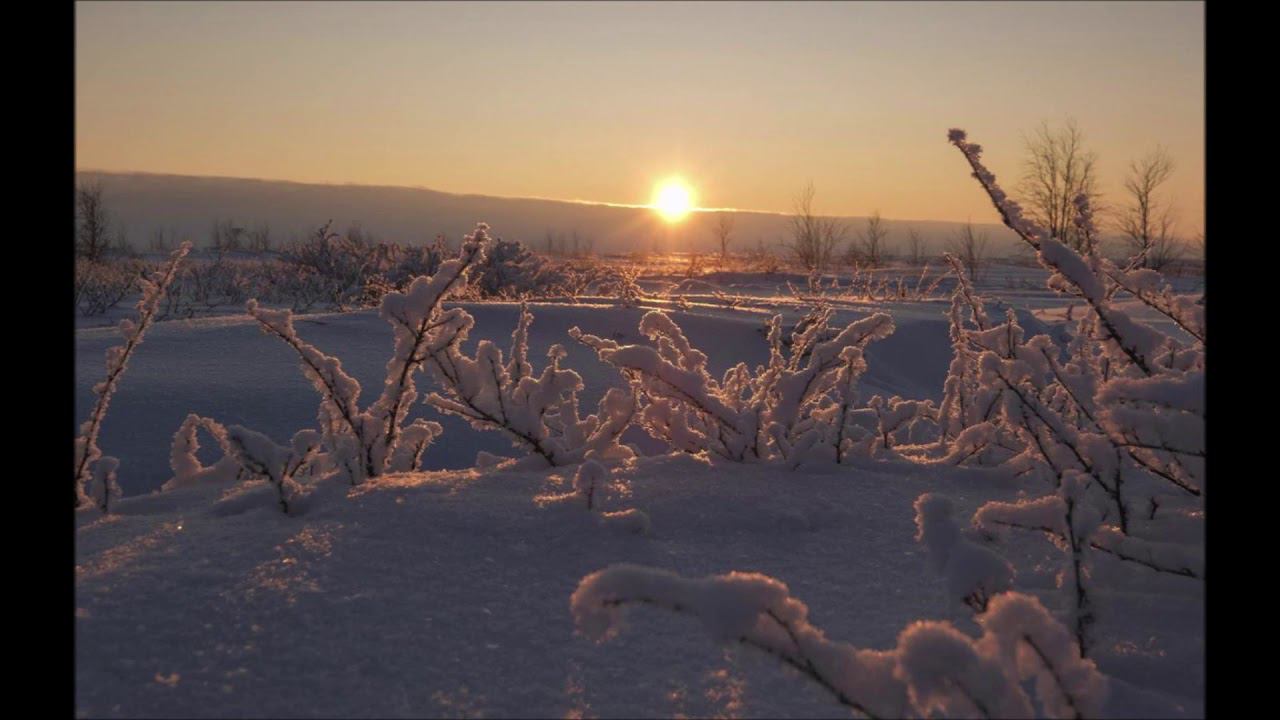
<point x="935" y="670"/>
<point x="87" y="451"/>
<point x="186" y="466"/>
<point x="258" y="454"/>
<point x="368" y="443"/>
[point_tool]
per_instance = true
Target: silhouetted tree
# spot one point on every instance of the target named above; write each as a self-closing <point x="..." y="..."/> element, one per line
<point x="723" y="231"/>
<point x="970" y="248"/>
<point x="917" y="249"/>
<point x="871" y="242"/>
<point x="812" y="237"/>
<point x="1057" y="169"/>
<point x="92" y="221"/>
<point x="1147" y="222"/>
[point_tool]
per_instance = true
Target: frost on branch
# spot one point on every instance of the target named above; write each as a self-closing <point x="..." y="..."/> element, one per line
<point x="361" y="444"/>
<point x="934" y="670"/>
<point x="794" y="409"/>
<point x="87" y="451"/>
<point x="539" y="412"/>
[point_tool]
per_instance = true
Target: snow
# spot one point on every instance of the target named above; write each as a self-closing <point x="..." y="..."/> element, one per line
<point x="447" y="592"/>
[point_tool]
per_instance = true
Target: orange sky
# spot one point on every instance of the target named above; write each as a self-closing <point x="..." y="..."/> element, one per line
<point x="598" y="102"/>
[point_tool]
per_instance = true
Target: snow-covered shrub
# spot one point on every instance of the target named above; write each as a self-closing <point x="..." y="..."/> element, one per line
<point x="341" y="262"/>
<point x="297" y="286"/>
<point x="935" y="670"/>
<point x="87" y="452"/>
<point x="538" y="412"/>
<point x="794" y="409"/>
<point x="599" y="279"/>
<point x="1113" y="424"/>
<point x="511" y="270"/>
<point x="403" y="263"/>
<point x="101" y="284"/>
<point x="901" y="421"/>
<point x="362" y="444"/>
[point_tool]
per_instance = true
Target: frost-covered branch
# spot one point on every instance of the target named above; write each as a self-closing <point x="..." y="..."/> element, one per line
<point x="934" y="669"/>
<point x="87" y="451"/>
<point x="367" y="443"/>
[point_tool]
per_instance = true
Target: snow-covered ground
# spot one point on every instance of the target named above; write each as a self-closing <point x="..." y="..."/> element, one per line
<point x="446" y="593"/>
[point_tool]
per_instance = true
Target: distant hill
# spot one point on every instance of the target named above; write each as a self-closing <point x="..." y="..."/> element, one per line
<point x="189" y="205"/>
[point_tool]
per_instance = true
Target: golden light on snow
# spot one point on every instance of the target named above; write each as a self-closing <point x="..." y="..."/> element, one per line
<point x="673" y="200"/>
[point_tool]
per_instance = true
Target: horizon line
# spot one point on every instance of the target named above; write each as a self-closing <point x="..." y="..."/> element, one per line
<point x="574" y="201"/>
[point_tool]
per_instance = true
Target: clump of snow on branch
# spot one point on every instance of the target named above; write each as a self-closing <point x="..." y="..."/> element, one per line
<point x="102" y="487"/>
<point x="261" y="456"/>
<point x="591" y="484"/>
<point x="187" y="468"/>
<point x="974" y="573"/>
<point x="87" y="452"/>
<point x="934" y="670"/>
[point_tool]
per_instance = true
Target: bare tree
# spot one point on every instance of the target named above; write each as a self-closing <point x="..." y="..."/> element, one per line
<point x="812" y="238"/>
<point x="1166" y="247"/>
<point x="917" y="249"/>
<point x="260" y="238"/>
<point x="970" y="248"/>
<point x="1147" y="222"/>
<point x="92" y="221"/>
<point x="871" y="242"/>
<point x="163" y="239"/>
<point x="121" y="246"/>
<point x="723" y="230"/>
<point x="225" y="236"/>
<point x="1057" y="169"/>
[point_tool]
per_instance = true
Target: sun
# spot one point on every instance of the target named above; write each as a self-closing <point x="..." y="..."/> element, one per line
<point x="673" y="200"/>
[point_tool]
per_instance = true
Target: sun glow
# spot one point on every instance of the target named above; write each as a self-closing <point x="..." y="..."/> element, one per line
<point x="673" y="200"/>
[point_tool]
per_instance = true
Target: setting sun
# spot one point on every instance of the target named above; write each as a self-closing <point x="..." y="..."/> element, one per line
<point x="673" y="200"/>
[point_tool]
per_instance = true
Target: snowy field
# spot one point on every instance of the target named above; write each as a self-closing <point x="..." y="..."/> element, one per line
<point x="445" y="593"/>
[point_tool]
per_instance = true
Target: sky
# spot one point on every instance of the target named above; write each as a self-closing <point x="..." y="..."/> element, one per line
<point x="747" y="102"/>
